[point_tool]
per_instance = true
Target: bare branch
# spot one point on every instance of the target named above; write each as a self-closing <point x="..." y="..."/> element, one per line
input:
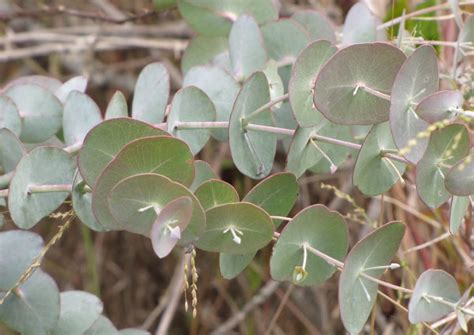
<point x="62" y="10"/>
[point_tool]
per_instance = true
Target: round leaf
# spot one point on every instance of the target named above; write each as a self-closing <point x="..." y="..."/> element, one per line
<point x="459" y="206"/>
<point x="375" y="173"/>
<point x="284" y="38"/>
<point x="436" y="107"/>
<point x="78" y="84"/>
<point x="9" y="115"/>
<point x="417" y="79"/>
<point x="48" y="83"/>
<point x="80" y="114"/>
<point x="434" y="283"/>
<point x="40" y="110"/>
<point x="376" y="249"/>
<point x="252" y="151"/>
<point x="191" y="104"/>
<point x="203" y="173"/>
<point x="306" y="151"/>
<point x="11" y="150"/>
<point x="246" y="47"/>
<point x="220" y="87"/>
<point x="261" y="195"/>
<point x="151" y="93"/>
<point x="300" y="89"/>
<point x="447" y="146"/>
<point x="342" y="90"/>
<point x="275" y="83"/>
<point x="35" y="168"/>
<point x="360" y="25"/>
<point x="104" y="141"/>
<point x="237" y="228"/>
<point x="215" y="17"/>
<point x="317" y="25"/>
<point x="215" y="192"/>
<point x="36" y="309"/>
<point x="78" y="311"/>
<point x="460" y="178"/>
<point x="102" y="326"/>
<point x="276" y="194"/>
<point x="82" y="204"/>
<point x="202" y="50"/>
<point x="284" y="118"/>
<point x="135" y="200"/>
<point x="18" y="249"/>
<point x="231" y="265"/>
<point x="337" y="153"/>
<point x="164" y="155"/>
<point x="317" y="227"/>
<point x="172" y="219"/>
<point x="117" y="106"/>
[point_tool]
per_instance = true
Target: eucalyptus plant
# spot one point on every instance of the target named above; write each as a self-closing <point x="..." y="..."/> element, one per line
<point x="252" y="79"/>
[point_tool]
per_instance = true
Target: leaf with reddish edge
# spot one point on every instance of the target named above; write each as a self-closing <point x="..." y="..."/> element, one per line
<point x="171" y="221"/>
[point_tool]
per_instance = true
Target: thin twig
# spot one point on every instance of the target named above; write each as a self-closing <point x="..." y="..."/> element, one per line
<point x="175" y="294"/>
<point x="177" y="277"/>
<point x="403" y="308"/>
<point x="264" y="293"/>
<point x="450" y="317"/>
<point x="296" y="311"/>
<point x="429" y="243"/>
<point x="167" y="29"/>
<point x="412" y="211"/>
<point x="85" y="43"/>
<point x="279" y="309"/>
<point x="62" y="10"/>
<point x="420" y="12"/>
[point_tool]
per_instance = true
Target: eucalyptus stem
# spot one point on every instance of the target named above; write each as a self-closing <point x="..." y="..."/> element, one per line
<point x="32" y="188"/>
<point x="266" y="106"/>
<point x="398" y="158"/>
<point x="326" y="257"/>
<point x="333" y="166"/>
<point x="284" y="218"/>
<point x="270" y="129"/>
<point x="386" y="284"/>
<point x="453" y="305"/>
<point x="47" y="188"/>
<point x="340" y="266"/>
<point x="336" y="141"/>
<point x="375" y="92"/>
<point x="289" y="60"/>
<point x="5" y="179"/>
<point x="394" y="169"/>
<point x="202" y="125"/>
<point x="384" y="152"/>
<point x="321" y="138"/>
<point x="72" y="149"/>
<point x="420" y="12"/>
<point x="469" y="114"/>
